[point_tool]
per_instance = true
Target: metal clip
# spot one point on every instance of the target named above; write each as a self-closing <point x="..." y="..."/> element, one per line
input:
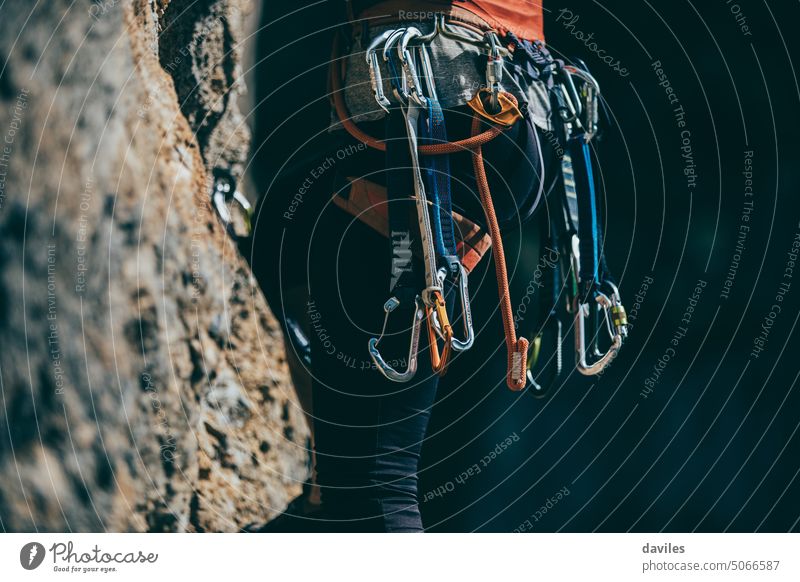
<point x="573" y="108"/>
<point x="551" y="334"/>
<point x="616" y="323"/>
<point x="416" y="325"/>
<point x="375" y="77"/>
<point x="466" y="313"/>
<point x="590" y="93"/>
<point x="224" y="194"/>
<point x="399" y="82"/>
<point x="494" y="71"/>
<point x="439" y="324"/>
<point x="427" y="71"/>
<point x="409" y="67"/>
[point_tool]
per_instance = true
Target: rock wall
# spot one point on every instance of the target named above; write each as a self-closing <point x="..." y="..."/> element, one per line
<point x="142" y="378"/>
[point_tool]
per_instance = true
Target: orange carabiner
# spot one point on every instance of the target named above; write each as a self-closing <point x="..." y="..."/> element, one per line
<point x="442" y="328"/>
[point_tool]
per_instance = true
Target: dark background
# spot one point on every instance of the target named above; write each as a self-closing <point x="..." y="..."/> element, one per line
<point x="715" y="446"/>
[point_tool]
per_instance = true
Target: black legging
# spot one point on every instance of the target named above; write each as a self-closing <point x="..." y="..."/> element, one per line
<point x="370" y="431"/>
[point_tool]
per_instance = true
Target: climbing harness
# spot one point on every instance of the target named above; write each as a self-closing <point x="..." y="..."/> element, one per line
<point x="592" y="297"/>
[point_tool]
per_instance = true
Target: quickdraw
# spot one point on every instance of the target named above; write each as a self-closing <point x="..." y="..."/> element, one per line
<point x="595" y="297"/>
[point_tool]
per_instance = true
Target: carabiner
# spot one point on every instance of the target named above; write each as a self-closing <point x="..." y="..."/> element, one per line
<point x="409" y="68"/>
<point x="225" y="194"/>
<point x="375" y="78"/>
<point x="466" y="313"/>
<point x="584" y="310"/>
<point x="439" y="325"/>
<point x="416" y="325"/>
<point x="494" y="71"/>
<point x="427" y="71"/>
<point x="590" y="93"/>
<point x="551" y="333"/>
<point x="401" y="90"/>
<point x="574" y="109"/>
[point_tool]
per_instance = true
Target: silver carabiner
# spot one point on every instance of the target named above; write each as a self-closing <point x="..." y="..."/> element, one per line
<point x="409" y="68"/>
<point x="591" y="96"/>
<point x="494" y="71"/>
<point x="427" y="72"/>
<point x="416" y="326"/>
<point x="375" y="78"/>
<point x="582" y="311"/>
<point x="466" y="313"/>
<point x="571" y="98"/>
<point x="400" y="92"/>
<point x="225" y="195"/>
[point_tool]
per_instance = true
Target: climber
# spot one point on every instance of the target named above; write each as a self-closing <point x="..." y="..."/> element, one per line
<point x="433" y="182"/>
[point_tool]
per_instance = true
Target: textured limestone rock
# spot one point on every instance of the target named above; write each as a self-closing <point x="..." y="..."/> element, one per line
<point x="142" y="378"/>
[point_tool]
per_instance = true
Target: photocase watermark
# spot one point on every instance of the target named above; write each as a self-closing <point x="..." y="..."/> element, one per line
<point x="548" y="260"/>
<point x="196" y="245"/>
<point x="568" y="19"/>
<point x="53" y="344"/>
<point x="100" y="8"/>
<point x="7" y="147"/>
<point x="679" y="115"/>
<point x="672" y="349"/>
<point x="168" y="444"/>
<point x="760" y="341"/>
<point x="485" y="20"/>
<point x="419" y="15"/>
<point x="738" y="15"/>
<point x="82" y="235"/>
<point x="548" y="505"/>
<point x="743" y="230"/>
<point x="554" y="142"/>
<point x="316" y="173"/>
<point x="31" y="555"/>
<point x="472" y="471"/>
<point x="66" y="558"/>
<point x="638" y="300"/>
<point x="328" y="346"/>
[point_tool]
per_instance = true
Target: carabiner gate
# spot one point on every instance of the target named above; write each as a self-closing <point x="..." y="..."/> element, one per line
<point x="416" y="325"/>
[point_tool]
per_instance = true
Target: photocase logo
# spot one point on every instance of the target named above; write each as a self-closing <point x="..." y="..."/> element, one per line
<point x="31" y="555"/>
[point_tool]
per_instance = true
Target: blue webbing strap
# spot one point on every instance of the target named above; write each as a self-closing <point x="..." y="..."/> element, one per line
<point x="588" y="231"/>
<point x="437" y="174"/>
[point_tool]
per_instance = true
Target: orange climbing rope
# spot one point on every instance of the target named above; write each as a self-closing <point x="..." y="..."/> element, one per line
<point x="517" y="347"/>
